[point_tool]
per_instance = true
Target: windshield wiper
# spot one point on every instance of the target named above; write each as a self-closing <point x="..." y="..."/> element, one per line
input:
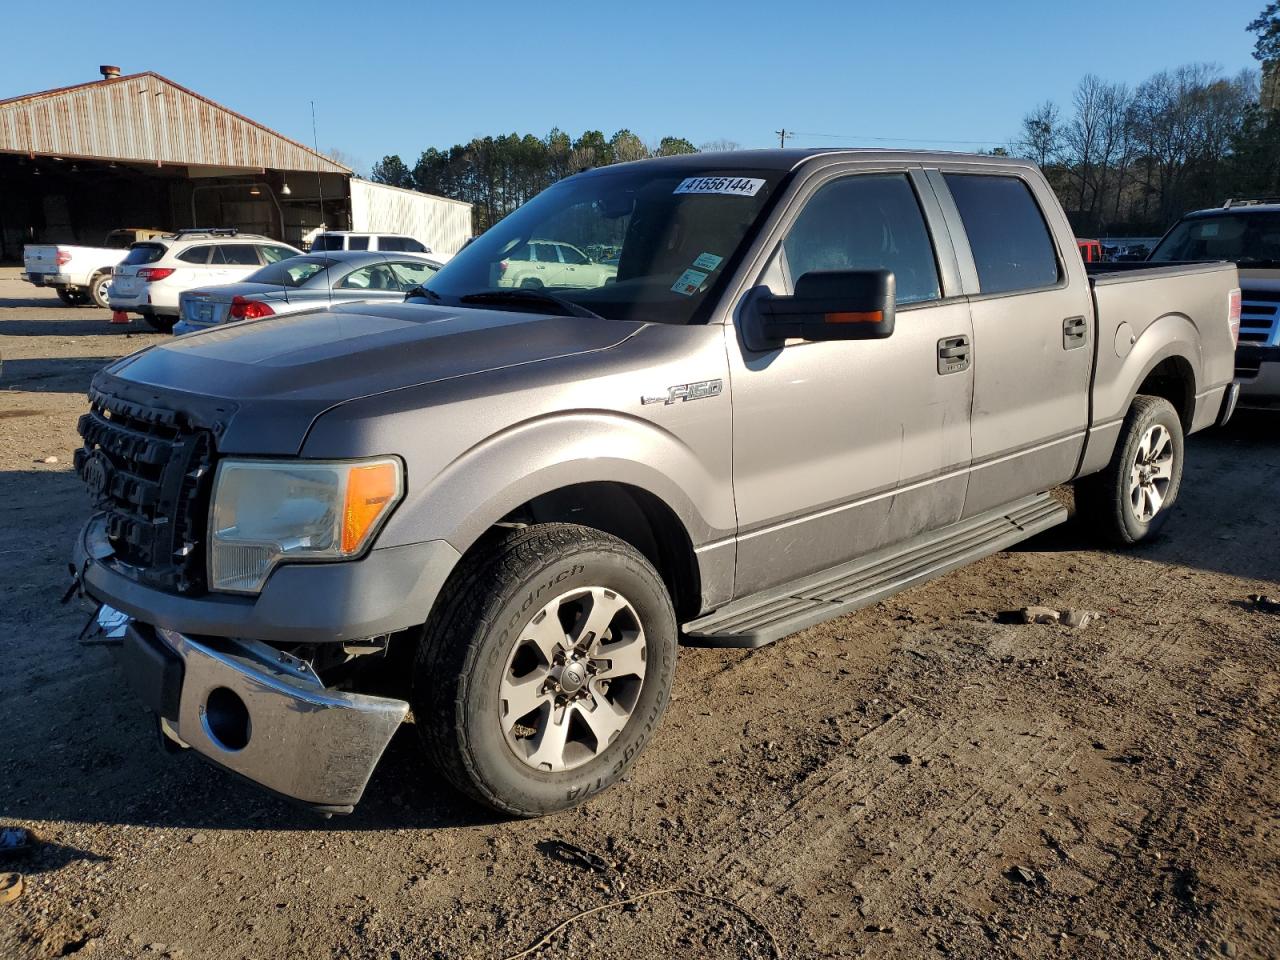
<point x="421" y="291"/>
<point x="499" y="297"/>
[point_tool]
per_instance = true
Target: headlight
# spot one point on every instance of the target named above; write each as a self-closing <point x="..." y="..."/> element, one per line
<point x="267" y="512"/>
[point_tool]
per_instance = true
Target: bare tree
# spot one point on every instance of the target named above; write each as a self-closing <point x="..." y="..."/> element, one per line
<point x="719" y="146"/>
<point x="1041" y="138"/>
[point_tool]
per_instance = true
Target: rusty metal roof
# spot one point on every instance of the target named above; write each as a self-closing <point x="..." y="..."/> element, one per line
<point x="145" y="117"/>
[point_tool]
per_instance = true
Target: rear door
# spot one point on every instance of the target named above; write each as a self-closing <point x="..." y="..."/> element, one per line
<point x="841" y="447"/>
<point x="1032" y="330"/>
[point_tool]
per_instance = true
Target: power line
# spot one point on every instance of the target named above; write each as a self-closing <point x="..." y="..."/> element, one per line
<point x="858" y="137"/>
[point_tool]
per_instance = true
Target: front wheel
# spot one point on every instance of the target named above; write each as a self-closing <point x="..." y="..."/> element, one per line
<point x="98" y="289"/>
<point x="545" y="668"/>
<point x="1130" y="499"/>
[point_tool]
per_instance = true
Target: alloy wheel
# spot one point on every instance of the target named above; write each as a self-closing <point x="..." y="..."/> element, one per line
<point x="573" y="679"/>
<point x="1151" y="473"/>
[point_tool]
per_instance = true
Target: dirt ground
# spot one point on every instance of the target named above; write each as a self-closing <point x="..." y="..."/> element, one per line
<point x="920" y="778"/>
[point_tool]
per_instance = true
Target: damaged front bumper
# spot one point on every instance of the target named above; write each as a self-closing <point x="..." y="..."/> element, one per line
<point x="256" y="711"/>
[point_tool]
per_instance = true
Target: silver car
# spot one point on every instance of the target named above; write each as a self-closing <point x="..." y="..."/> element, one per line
<point x="306" y="283"/>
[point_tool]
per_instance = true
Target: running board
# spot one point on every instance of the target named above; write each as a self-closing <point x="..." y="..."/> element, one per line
<point x="772" y="614"/>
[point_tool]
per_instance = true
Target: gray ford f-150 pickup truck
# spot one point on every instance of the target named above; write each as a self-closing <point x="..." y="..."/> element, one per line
<point x="814" y="379"/>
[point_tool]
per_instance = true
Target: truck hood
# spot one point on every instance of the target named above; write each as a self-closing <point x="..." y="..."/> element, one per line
<point x="268" y="380"/>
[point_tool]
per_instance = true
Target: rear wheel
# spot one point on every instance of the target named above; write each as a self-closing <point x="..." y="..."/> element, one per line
<point x="67" y="297"/>
<point x="545" y="668"/>
<point x="98" y="289"/>
<point x="1130" y="499"/>
<point x="159" y="321"/>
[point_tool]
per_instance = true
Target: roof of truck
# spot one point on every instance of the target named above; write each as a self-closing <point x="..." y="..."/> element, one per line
<point x="792" y="157"/>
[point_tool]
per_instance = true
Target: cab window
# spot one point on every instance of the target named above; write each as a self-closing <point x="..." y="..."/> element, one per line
<point x="866" y="222"/>
<point x="1011" y="245"/>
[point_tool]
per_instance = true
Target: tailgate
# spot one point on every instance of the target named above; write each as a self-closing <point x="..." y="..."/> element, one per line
<point x="40" y="258"/>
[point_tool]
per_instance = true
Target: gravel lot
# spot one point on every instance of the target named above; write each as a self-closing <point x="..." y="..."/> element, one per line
<point x="920" y="778"/>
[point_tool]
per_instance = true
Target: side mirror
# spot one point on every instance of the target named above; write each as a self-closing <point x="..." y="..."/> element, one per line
<point x="832" y="305"/>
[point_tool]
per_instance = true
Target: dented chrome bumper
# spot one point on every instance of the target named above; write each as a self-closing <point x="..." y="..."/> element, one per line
<point x="258" y="712"/>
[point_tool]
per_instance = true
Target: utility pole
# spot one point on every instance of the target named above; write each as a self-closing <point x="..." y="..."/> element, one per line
<point x="782" y="136"/>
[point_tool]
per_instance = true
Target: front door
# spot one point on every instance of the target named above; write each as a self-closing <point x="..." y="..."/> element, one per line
<point x="843" y="447"/>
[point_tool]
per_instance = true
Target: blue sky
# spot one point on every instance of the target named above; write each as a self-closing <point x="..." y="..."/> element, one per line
<point x="396" y="77"/>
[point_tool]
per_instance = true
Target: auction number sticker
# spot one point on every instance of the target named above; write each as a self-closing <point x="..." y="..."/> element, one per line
<point x="707" y="261"/>
<point x="689" y="283"/>
<point x="727" y="186"/>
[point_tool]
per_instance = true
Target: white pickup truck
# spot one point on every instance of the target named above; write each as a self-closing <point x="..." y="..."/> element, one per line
<point x="80" y="275"/>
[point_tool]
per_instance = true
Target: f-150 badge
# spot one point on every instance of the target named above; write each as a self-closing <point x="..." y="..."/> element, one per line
<point x="685" y="391"/>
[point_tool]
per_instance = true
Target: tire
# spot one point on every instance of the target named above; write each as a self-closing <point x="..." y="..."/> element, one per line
<point x="98" y="284"/>
<point x="160" y="322"/>
<point x="67" y="297"/>
<point x="1145" y="472"/>
<point x="483" y="641"/>
<point x="531" y="283"/>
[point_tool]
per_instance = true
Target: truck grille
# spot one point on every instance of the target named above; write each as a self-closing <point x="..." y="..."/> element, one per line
<point x="150" y="471"/>
<point x="1260" y="317"/>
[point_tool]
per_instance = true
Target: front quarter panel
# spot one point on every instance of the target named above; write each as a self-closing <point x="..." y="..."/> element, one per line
<point x="478" y="447"/>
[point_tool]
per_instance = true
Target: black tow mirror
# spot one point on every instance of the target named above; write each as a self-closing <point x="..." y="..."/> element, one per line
<point x="832" y="305"/>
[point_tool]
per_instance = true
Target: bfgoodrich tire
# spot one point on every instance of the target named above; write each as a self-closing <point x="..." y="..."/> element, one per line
<point x="1130" y="499"/>
<point x="545" y="667"/>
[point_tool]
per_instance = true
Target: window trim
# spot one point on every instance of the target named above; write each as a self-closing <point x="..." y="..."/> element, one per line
<point x="960" y="236"/>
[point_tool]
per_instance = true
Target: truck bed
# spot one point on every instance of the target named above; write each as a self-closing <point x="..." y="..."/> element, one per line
<point x="1143" y="309"/>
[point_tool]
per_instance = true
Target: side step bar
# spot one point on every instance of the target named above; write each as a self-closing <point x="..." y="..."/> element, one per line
<point x="775" y="613"/>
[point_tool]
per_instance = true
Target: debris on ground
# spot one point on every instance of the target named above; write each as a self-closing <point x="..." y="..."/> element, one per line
<point x="1079" y="619"/>
<point x="1264" y="603"/>
<point x="10" y="887"/>
<point x="1039" y="615"/>
<point x="45" y="460"/>
<point x="16" y="841"/>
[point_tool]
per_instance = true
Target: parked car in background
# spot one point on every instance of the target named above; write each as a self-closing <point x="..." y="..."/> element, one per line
<point x="1247" y="233"/>
<point x="307" y="282"/>
<point x="154" y="273"/>
<point x="79" y="274"/>
<point x="552" y="263"/>
<point x="1090" y="250"/>
<point x="356" y="240"/>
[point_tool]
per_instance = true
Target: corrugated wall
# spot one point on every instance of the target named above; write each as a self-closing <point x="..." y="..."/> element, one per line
<point x="145" y="117"/>
<point x="443" y="225"/>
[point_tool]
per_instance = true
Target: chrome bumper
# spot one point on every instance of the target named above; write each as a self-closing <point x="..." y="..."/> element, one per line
<point x="258" y="712"/>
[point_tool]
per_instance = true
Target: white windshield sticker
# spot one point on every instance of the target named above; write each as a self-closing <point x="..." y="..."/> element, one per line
<point x="707" y="261"/>
<point x="689" y="282"/>
<point x="1208" y="230"/>
<point x="729" y="186"/>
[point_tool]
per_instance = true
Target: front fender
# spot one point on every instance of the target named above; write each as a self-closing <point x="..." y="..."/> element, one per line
<point x="537" y="456"/>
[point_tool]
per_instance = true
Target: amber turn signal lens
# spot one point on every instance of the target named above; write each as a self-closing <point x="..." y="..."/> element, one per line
<point x="871" y="316"/>
<point x="370" y="491"/>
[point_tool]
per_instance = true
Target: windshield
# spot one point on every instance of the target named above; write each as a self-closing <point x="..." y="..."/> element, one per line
<point x="293" y="272"/>
<point x="645" y="243"/>
<point x="1242" y="237"/>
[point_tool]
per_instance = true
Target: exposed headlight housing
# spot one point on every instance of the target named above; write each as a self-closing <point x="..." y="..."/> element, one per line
<point x="267" y="512"/>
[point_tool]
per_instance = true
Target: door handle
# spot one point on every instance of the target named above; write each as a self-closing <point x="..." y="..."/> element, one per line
<point x="1075" y="332"/>
<point x="953" y="354"/>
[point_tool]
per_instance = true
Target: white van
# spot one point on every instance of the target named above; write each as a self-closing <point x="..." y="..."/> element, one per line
<point x="354" y="240"/>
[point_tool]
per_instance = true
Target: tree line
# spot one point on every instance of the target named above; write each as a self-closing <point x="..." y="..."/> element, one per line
<point x="1123" y="160"/>
<point x="498" y="174"/>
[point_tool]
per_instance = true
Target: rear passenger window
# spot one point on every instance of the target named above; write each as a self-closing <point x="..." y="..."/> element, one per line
<point x="357" y="243"/>
<point x="868" y="222"/>
<point x="195" y="254"/>
<point x="1011" y="245"/>
<point x="238" y="254"/>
